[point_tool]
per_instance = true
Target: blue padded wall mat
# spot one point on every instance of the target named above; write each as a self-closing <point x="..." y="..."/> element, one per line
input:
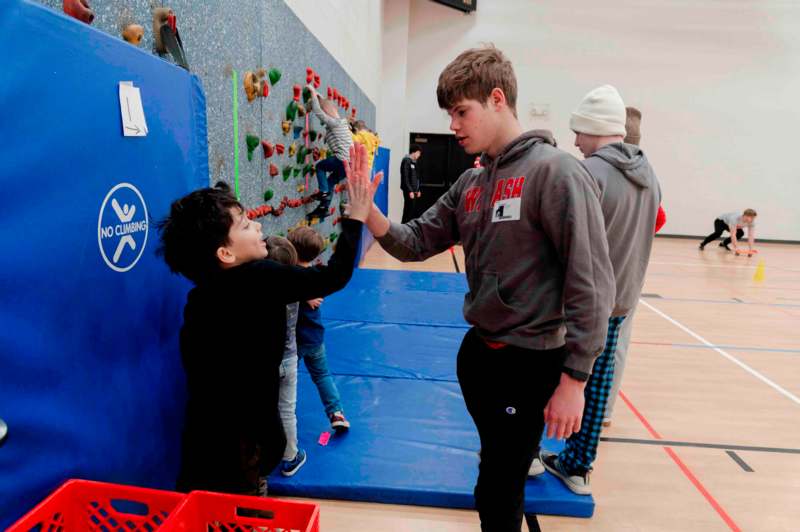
<point x="91" y="384"/>
<point x="412" y="440"/>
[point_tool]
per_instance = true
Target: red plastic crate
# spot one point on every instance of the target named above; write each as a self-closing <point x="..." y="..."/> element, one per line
<point x="217" y="512"/>
<point x="80" y="505"/>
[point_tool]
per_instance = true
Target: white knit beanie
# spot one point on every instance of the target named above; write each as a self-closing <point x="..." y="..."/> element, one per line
<point x="601" y="113"/>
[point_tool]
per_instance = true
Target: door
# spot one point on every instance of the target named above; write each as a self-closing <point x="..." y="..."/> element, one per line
<point x="440" y="165"/>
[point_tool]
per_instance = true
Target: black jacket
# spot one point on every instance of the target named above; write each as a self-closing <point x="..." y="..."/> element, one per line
<point x="408" y="175"/>
<point x="232" y="343"/>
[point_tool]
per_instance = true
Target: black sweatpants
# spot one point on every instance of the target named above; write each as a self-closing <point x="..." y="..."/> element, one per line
<point x="719" y="228"/>
<point x="505" y="391"/>
<point x="409" y="208"/>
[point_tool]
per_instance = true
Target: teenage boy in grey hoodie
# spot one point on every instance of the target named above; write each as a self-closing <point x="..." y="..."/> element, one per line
<point x="629" y="196"/>
<point x="541" y="286"/>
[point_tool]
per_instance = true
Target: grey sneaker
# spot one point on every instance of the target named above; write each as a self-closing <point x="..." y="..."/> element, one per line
<point x="578" y="484"/>
<point x="536" y="468"/>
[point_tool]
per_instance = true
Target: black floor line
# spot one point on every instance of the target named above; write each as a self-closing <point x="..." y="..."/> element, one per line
<point x="669" y="443"/>
<point x="738" y="459"/>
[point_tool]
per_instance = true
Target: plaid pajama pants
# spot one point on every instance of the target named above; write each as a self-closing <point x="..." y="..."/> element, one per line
<point x="581" y="449"/>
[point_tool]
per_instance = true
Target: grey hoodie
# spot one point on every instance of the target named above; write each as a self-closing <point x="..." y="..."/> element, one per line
<point x="629" y="197"/>
<point x="536" y="254"/>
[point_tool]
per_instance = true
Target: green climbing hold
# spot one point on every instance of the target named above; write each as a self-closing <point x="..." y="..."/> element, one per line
<point x="297" y="171"/>
<point x="306" y="94"/>
<point x="274" y="76"/>
<point x="252" y="143"/>
<point x="307" y="169"/>
<point x="291" y="111"/>
<point x="312" y="135"/>
<point x="301" y="154"/>
<point x="334" y="236"/>
<point x="268" y="194"/>
<point x="287" y="172"/>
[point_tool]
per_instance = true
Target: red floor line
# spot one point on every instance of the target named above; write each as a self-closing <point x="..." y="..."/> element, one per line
<point x="683" y="467"/>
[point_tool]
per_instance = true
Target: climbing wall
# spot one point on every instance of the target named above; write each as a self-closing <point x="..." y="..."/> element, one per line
<point x="223" y="40"/>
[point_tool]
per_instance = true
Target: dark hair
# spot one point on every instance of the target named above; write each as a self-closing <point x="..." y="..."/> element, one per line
<point x="358" y="125"/>
<point x="281" y="250"/>
<point x="307" y="243"/>
<point x="197" y="225"/>
<point x="750" y="212"/>
<point x="413" y="148"/>
<point x="474" y="74"/>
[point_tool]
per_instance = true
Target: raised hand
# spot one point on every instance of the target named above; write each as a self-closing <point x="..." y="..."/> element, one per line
<point x="360" y="188"/>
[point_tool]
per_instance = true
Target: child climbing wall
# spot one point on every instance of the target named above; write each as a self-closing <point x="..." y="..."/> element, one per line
<point x="221" y="45"/>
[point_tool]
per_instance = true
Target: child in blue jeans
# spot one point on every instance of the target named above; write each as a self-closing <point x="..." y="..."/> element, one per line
<point x="310" y="332"/>
<point x="281" y="250"/>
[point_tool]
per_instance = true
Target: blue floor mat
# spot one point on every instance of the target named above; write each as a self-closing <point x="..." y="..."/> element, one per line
<point x="412" y="440"/>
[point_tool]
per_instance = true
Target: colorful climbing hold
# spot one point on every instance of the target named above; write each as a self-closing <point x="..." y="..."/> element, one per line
<point x="309" y="75"/>
<point x="297" y="171"/>
<point x="315" y="154"/>
<point x="301" y="155"/>
<point x="292" y="149"/>
<point x="353" y="112"/>
<point x="133" y="34"/>
<point x="296" y="131"/>
<point x="287" y="172"/>
<point x="291" y="111"/>
<point x="280" y="148"/>
<point x="269" y="149"/>
<point x="268" y="194"/>
<point x="273" y="170"/>
<point x="306" y="94"/>
<point x="274" y="76"/>
<point x="330" y="93"/>
<point x="252" y="144"/>
<point x="296" y="88"/>
<point x="334" y="236"/>
<point x="312" y="135"/>
<point x="254" y="84"/>
<point x="79" y="9"/>
<point x="317" y="81"/>
<point x="286" y="125"/>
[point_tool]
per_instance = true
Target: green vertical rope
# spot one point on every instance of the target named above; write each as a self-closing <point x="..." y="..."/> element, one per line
<point x="235" y="135"/>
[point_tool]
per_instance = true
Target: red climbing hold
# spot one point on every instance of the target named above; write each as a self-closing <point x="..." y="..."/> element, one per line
<point x="273" y="170"/>
<point x="79" y="9"/>
<point x="269" y="149"/>
<point x="330" y="93"/>
<point x="353" y="112"/>
<point x="317" y="81"/>
<point x="280" y="148"/>
<point x="309" y="75"/>
<point x="297" y="89"/>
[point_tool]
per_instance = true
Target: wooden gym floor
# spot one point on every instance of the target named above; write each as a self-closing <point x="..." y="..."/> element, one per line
<point x="706" y="433"/>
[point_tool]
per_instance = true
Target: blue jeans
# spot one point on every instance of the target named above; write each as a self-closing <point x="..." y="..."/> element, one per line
<point x="329" y="172"/>
<point x="317" y="365"/>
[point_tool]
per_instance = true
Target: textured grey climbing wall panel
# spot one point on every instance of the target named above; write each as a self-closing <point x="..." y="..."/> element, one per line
<point x="223" y="36"/>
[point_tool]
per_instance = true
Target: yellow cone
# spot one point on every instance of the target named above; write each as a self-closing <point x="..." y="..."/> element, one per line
<point x="759" y="275"/>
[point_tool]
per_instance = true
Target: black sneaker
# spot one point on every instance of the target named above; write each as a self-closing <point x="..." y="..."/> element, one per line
<point x="702" y="247"/>
<point x="724" y="245"/>
<point x="578" y="484"/>
<point x="320" y="212"/>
